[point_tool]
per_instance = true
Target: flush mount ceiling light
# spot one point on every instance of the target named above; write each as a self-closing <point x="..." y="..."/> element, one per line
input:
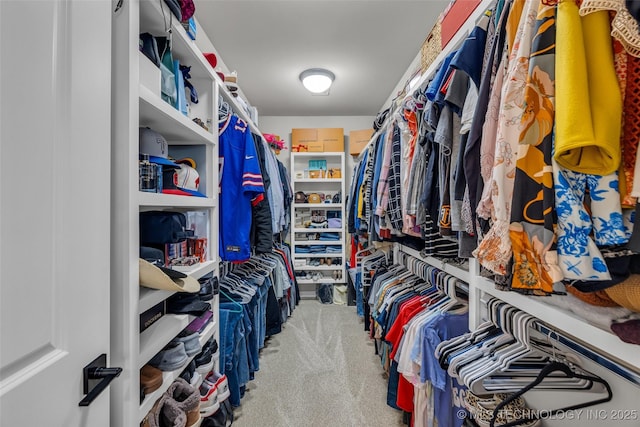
<point x="317" y="80"/>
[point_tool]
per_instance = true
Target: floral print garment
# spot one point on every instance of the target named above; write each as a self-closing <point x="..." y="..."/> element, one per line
<point x="531" y="231"/>
<point x="578" y="254"/>
<point x="494" y="251"/>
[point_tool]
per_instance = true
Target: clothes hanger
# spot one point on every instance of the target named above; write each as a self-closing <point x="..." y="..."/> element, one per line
<point x="545" y="414"/>
<point x="240" y="308"/>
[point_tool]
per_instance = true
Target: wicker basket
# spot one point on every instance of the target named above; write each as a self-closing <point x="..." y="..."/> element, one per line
<point x="431" y="47"/>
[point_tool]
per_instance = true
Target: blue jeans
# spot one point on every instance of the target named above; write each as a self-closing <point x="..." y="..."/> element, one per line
<point x="262" y="308"/>
<point x="231" y="342"/>
<point x="358" y="289"/>
<point x="252" y="337"/>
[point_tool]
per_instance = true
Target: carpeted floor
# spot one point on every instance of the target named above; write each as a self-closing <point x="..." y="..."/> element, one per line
<point x="321" y="370"/>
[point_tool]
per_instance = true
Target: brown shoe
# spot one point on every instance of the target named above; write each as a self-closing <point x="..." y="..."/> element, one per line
<point x="150" y="379"/>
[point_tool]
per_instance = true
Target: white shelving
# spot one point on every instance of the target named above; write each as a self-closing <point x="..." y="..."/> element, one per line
<point x="301" y="212"/>
<point x="154" y="338"/>
<point x="197" y="270"/>
<point x="137" y="103"/>
<point x="160" y="200"/>
<point x="556" y="318"/>
<point x="318" y="205"/>
<point x="169" y="376"/>
<point x="318" y="230"/>
<point x="151" y="297"/>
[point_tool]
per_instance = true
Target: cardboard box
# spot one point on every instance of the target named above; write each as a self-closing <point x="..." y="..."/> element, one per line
<point x="454" y="16"/>
<point x="316" y="146"/>
<point x="319" y="139"/>
<point x="358" y="139"/>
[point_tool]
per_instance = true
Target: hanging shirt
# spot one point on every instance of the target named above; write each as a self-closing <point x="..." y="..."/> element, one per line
<point x="240" y="185"/>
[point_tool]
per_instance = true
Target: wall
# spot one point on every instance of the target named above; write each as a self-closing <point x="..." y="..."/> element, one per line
<point x="282" y="125"/>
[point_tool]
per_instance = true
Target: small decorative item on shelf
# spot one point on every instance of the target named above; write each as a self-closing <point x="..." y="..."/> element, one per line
<point x="317" y="164"/>
<point x="275" y="142"/>
<point x="316" y="174"/>
<point x="148" y="175"/>
<point x="200" y="123"/>
<point x="335" y="173"/>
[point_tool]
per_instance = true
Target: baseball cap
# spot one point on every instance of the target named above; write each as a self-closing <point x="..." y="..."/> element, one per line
<point x="183" y="181"/>
<point x="301" y="197"/>
<point x="156" y="277"/>
<point x="314" y="198"/>
<point x="154" y="144"/>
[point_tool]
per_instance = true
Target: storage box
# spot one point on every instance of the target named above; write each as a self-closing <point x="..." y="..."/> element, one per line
<point x="319" y="139"/>
<point x="317" y="164"/>
<point x="454" y="16"/>
<point x="149" y="74"/>
<point x="316" y="146"/>
<point x="358" y="139"/>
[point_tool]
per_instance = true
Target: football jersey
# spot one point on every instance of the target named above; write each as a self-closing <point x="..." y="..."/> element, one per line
<point x="240" y="183"/>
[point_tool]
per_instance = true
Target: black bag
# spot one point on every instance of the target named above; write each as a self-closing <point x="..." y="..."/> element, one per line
<point x="149" y="46"/>
<point x="325" y="293"/>
<point x="160" y="227"/>
<point x="222" y="418"/>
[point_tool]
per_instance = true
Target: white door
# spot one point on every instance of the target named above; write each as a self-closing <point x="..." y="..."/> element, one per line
<point x="55" y="60"/>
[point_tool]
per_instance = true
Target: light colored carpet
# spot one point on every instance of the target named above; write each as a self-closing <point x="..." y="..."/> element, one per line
<point x="321" y="370"/>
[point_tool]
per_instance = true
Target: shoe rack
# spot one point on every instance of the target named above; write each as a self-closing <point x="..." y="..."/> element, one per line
<point x="310" y="220"/>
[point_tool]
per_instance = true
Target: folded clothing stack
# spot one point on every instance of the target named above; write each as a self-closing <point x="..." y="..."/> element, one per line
<point x="334" y="222"/>
<point x="334" y="249"/>
<point x="329" y="236"/>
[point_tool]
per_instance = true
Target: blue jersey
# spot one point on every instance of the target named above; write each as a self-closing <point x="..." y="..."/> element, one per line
<point x="240" y="184"/>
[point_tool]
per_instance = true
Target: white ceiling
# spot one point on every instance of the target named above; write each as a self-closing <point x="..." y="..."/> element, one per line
<point x="368" y="45"/>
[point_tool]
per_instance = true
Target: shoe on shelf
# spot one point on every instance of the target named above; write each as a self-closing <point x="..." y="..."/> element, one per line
<point x="170" y="358"/>
<point x="187" y="399"/>
<point x="204" y="362"/>
<point x="165" y="413"/>
<point x="191" y="342"/>
<point x="209" y="403"/>
<point x="150" y="379"/>
<point x="220" y="382"/>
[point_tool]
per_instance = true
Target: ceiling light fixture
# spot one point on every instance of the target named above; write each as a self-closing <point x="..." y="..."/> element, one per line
<point x="317" y="80"/>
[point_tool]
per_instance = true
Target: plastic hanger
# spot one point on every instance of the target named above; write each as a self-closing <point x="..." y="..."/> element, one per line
<point x="240" y="308"/>
<point x="545" y="414"/>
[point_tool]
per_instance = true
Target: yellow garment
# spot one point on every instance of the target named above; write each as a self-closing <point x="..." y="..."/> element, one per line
<point x="588" y="100"/>
<point x="513" y="20"/>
